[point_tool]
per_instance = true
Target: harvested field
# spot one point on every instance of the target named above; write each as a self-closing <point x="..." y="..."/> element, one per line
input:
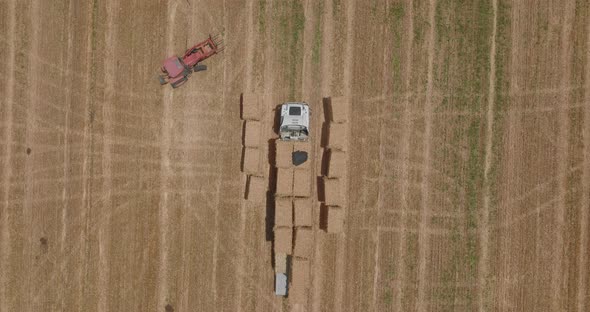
<point x="466" y="177"/>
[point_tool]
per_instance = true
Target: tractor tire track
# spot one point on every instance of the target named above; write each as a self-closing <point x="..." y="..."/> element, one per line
<point x="165" y="168"/>
<point x="382" y="159"/>
<point x="32" y="101"/>
<point x="66" y="193"/>
<point x="484" y="236"/>
<point x="582" y="295"/>
<point x="219" y="181"/>
<point x="423" y="236"/>
<point x="104" y="231"/>
<point x="8" y="108"/>
<point x="562" y="160"/>
<point x="340" y="266"/>
<point x="405" y="156"/>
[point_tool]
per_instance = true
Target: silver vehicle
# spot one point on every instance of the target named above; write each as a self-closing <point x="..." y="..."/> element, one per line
<point x="294" y="121"/>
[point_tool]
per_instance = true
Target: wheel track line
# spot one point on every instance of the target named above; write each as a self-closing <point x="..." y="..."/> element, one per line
<point x="326" y="89"/>
<point x="87" y="156"/>
<point x="32" y="101"/>
<point x="184" y="297"/>
<point x="104" y="235"/>
<point x="9" y="102"/>
<point x="405" y="152"/>
<point x="423" y="237"/>
<point x="250" y="37"/>
<point x="483" y="270"/>
<point x="382" y="164"/>
<point x="584" y="215"/>
<point x="348" y="94"/>
<point x="165" y="169"/>
<point x="504" y="297"/>
<point x="67" y="148"/>
<point x="562" y="164"/>
<point x="220" y="177"/>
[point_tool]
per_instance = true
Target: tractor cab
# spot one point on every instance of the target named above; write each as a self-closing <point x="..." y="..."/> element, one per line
<point x="176" y="72"/>
<point x="173" y="66"/>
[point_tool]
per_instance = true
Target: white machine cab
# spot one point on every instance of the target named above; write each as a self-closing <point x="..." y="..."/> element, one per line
<point x="294" y="121"/>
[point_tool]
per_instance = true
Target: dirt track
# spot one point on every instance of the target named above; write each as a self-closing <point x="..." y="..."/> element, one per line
<point x="469" y="167"/>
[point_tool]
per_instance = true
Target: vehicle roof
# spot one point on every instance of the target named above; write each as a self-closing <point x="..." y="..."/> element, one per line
<point x="173" y="66"/>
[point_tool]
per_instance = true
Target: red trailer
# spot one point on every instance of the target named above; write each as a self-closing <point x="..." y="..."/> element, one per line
<point x="176" y="70"/>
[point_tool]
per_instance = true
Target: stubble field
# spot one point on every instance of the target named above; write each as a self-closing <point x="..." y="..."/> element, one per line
<point x="468" y="183"/>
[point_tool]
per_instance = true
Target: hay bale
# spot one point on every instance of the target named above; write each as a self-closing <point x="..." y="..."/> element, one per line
<point x="303" y="242"/>
<point x="338" y="136"/>
<point x="301" y="183"/>
<point x="280" y="262"/>
<point x="302" y="211"/>
<point x="284" y="182"/>
<point x="335" y="219"/>
<point x="283" y="154"/>
<point x="300" y="280"/>
<point x="336" y="163"/>
<point x="252" y="133"/>
<point x="283" y="240"/>
<point x="251" y="103"/>
<point x="333" y="194"/>
<point x="339" y="109"/>
<point x="251" y="160"/>
<point x="283" y="211"/>
<point x="256" y="189"/>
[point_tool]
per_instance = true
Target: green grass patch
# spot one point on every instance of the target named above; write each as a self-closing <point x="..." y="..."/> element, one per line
<point x="262" y="17"/>
<point x="336" y="8"/>
<point x="394" y="19"/>
<point x="317" y="36"/>
<point x="288" y="37"/>
<point x="463" y="30"/>
<point x="388" y="297"/>
<point x="296" y="45"/>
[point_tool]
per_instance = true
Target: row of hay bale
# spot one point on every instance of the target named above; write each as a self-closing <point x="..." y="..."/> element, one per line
<point x="253" y="148"/>
<point x="334" y="192"/>
<point x="293" y="234"/>
<point x="252" y="138"/>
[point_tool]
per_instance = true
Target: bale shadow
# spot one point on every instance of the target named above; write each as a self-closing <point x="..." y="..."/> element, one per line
<point x="324" y="138"/>
<point x="243" y="158"/>
<point x="244" y="133"/>
<point x="242" y="105"/>
<point x="325" y="162"/>
<point x="321" y="189"/>
<point x="328" y="113"/>
<point x="272" y="186"/>
<point x="247" y="188"/>
<point x="323" y="217"/>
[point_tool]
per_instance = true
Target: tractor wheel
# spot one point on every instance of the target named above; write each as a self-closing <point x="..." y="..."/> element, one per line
<point x="199" y="68"/>
<point x="162" y="80"/>
<point x="179" y="83"/>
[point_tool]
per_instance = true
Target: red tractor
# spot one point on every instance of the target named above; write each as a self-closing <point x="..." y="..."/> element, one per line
<point x="176" y="70"/>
